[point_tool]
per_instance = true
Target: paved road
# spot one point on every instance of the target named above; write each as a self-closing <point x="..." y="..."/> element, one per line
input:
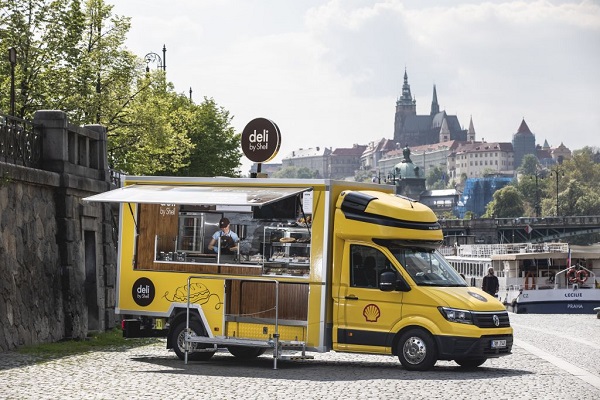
<point x="554" y="357"/>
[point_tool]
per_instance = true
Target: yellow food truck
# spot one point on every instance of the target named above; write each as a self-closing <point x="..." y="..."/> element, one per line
<point x="310" y="266"/>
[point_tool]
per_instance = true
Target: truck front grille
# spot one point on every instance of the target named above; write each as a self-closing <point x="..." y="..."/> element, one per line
<point x="486" y="319"/>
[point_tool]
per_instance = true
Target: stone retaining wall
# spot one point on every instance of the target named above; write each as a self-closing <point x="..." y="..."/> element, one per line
<point x="57" y="254"/>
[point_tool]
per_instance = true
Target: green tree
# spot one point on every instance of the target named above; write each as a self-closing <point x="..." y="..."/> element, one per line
<point x="529" y="165"/>
<point x="71" y="57"/>
<point x="68" y="58"/>
<point x="573" y="185"/>
<point x="507" y="203"/>
<point x="436" y="178"/>
<point x="533" y="188"/>
<point x="216" y="146"/>
<point x="155" y="139"/>
<point x="362" y="175"/>
<point x="288" y="172"/>
<point x="292" y="172"/>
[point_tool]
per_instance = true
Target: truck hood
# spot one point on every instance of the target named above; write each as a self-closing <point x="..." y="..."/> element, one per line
<point x="466" y="298"/>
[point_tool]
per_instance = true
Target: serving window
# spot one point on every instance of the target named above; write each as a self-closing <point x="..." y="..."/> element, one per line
<point x="175" y="234"/>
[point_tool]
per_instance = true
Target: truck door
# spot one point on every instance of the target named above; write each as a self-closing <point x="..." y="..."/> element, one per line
<point x="365" y="314"/>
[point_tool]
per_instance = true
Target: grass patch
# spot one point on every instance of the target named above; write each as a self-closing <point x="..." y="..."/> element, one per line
<point x="112" y="340"/>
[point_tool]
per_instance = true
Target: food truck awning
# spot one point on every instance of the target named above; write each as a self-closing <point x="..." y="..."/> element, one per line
<point x="196" y="195"/>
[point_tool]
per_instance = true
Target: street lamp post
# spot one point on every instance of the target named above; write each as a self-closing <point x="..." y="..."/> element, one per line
<point x="12" y="58"/>
<point x="537" y="207"/>
<point x="557" y="173"/>
<point x="161" y="63"/>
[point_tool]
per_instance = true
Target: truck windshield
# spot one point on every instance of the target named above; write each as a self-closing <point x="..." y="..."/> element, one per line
<point x="427" y="267"/>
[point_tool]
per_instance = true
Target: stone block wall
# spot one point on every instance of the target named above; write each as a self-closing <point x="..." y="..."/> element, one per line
<point x="57" y="253"/>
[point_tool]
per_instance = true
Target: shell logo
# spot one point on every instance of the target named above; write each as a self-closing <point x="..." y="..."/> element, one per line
<point x="371" y="313"/>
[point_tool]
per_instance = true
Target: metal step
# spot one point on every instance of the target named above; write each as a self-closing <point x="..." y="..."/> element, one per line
<point x="230" y="341"/>
<point x="296" y="357"/>
<point x="278" y="346"/>
<point x="225" y="341"/>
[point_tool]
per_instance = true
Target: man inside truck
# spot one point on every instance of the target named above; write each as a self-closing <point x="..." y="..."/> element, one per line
<point x="229" y="239"/>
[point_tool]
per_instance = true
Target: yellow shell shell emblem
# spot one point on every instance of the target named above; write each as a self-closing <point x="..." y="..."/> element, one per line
<point x="371" y="313"/>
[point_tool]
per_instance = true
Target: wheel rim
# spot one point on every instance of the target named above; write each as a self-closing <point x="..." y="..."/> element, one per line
<point x="181" y="342"/>
<point x="414" y="350"/>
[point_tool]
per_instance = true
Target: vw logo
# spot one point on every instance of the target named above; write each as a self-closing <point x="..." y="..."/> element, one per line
<point x="496" y="320"/>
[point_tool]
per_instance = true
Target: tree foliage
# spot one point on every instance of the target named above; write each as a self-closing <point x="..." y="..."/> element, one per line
<point x="529" y="165"/>
<point x="572" y="185"/>
<point x="507" y="203"/>
<point x="71" y="57"/>
<point x="436" y="178"/>
<point x="215" y="144"/>
<point x="296" y="173"/>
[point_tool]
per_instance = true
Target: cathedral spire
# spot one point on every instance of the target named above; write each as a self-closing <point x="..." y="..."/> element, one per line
<point x="471" y="131"/>
<point x="406" y="99"/>
<point x="435" y="107"/>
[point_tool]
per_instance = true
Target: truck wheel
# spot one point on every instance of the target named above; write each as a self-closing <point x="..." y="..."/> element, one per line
<point x="471" y="362"/>
<point x="179" y="336"/>
<point x="417" y="350"/>
<point x="245" y="352"/>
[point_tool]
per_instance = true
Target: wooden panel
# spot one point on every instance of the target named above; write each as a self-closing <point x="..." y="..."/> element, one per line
<point x="205" y="268"/>
<point x="257" y="300"/>
<point x="154" y="219"/>
<point x="184" y="267"/>
<point x="240" y="270"/>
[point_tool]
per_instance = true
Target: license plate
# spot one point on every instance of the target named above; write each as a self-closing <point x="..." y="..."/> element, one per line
<point x="498" y="344"/>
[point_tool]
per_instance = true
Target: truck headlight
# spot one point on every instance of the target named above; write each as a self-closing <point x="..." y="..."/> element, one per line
<point x="456" y="315"/>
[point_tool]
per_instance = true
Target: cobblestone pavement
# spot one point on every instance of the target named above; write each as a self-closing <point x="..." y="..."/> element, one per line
<point x="554" y="357"/>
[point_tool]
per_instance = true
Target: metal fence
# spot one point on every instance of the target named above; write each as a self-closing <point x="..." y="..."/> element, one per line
<point x="20" y="142"/>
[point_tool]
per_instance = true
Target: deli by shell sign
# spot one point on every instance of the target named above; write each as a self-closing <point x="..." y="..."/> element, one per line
<point x="261" y="140"/>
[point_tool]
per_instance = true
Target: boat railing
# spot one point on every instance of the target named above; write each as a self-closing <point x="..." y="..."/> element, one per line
<point x="575" y="276"/>
<point x="557" y="281"/>
<point x="487" y="250"/>
<point x="447" y="251"/>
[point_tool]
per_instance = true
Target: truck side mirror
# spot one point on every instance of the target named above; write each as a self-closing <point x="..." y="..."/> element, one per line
<point x="389" y="281"/>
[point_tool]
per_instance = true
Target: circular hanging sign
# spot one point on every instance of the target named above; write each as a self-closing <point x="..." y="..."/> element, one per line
<point x="261" y="140"/>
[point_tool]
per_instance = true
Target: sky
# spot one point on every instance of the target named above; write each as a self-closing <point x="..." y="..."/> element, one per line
<point x="329" y="72"/>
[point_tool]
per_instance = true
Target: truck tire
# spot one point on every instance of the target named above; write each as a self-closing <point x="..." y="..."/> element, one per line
<point x="471" y="362"/>
<point x="417" y="350"/>
<point x="244" y="352"/>
<point x="178" y="342"/>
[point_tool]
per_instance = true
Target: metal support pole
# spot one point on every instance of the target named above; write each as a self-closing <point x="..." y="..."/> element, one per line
<point x="276" y="333"/>
<point x="187" y="324"/>
<point x="12" y="58"/>
<point x="557" y="192"/>
<point x="557" y="172"/>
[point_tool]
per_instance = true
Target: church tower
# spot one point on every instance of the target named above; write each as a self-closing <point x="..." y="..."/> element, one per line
<point x="471" y="132"/>
<point x="405" y="106"/>
<point x="523" y="144"/>
<point x="435" y="107"/>
<point x="444" y="132"/>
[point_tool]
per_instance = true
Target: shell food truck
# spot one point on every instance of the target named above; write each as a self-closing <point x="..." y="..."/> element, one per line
<point x="319" y="265"/>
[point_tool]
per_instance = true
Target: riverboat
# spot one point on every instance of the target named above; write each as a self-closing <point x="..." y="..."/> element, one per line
<point x="544" y="278"/>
